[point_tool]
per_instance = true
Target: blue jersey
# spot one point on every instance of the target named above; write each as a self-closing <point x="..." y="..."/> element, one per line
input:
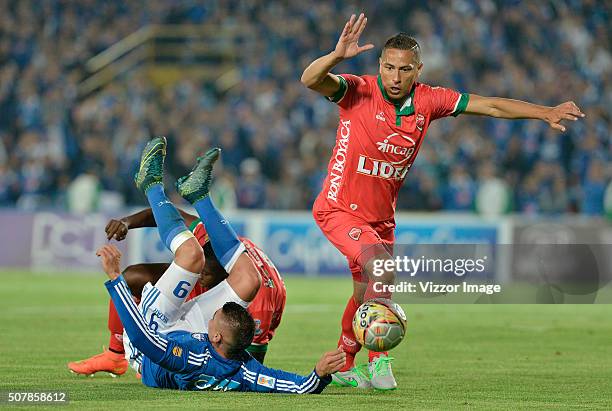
<point x="188" y="361"/>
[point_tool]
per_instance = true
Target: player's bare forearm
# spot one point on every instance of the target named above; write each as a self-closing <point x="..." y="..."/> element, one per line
<point x="317" y="75"/>
<point x="118" y="229"/>
<point x="516" y="109"/>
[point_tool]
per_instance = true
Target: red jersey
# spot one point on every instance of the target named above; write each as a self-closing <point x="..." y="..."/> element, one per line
<point x="268" y="305"/>
<point x="377" y="142"/>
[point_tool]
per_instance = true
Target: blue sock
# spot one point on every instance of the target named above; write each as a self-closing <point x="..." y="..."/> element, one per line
<point x="223" y="238"/>
<point x="169" y="221"/>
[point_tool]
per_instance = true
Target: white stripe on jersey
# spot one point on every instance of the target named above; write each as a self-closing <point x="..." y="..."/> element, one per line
<point x="456" y="104"/>
<point x="126" y="297"/>
<point x="310" y="385"/>
<point x="247" y="371"/>
<point x="151" y="297"/>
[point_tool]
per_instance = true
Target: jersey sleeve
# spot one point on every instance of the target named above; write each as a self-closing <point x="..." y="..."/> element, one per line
<point x="259" y="378"/>
<point x="164" y="351"/>
<point x="444" y="102"/>
<point x="352" y="90"/>
<point x="199" y="231"/>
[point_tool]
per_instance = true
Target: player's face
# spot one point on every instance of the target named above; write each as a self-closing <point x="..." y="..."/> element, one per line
<point x="399" y="69"/>
<point x="214" y="326"/>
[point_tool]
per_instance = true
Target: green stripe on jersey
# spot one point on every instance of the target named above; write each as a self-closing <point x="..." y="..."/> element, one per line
<point x="462" y="104"/>
<point x="257" y="348"/>
<point x="338" y="95"/>
<point x="193" y="225"/>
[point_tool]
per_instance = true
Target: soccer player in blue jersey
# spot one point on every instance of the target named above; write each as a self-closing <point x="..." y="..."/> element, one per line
<point x="198" y="345"/>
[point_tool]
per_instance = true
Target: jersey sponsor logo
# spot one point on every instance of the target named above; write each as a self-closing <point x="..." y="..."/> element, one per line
<point x="420" y="121"/>
<point x="388" y="169"/>
<point x="337" y="170"/>
<point x="348" y="342"/>
<point x="377" y="168"/>
<point x="355" y="233"/>
<point x="386" y="147"/>
<point x="266" y="381"/>
<point x="198" y="336"/>
<point x="177" y="351"/>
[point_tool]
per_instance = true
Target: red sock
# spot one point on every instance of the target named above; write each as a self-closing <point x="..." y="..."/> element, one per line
<point x="347" y="338"/>
<point x="372" y="355"/>
<point x="370" y="293"/>
<point x="116" y="330"/>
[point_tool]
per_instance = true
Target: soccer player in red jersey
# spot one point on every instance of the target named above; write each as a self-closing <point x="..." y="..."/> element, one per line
<point x="266" y="308"/>
<point x="383" y="122"/>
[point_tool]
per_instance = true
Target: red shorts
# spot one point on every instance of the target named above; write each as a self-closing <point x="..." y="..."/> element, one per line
<point x="355" y="238"/>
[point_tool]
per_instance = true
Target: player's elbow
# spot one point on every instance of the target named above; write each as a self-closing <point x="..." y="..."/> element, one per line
<point x="308" y="80"/>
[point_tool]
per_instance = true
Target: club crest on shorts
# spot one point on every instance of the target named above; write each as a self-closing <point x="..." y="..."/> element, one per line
<point x="420" y="121"/>
<point x="348" y="342"/>
<point x="355" y="233"/>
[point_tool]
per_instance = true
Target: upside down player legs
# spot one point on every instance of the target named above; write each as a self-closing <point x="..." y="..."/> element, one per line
<point x="199" y="345"/>
<point x="266" y="309"/>
<point x="382" y="125"/>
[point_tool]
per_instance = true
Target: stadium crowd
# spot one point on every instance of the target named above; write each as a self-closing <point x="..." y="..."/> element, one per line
<point x="276" y="134"/>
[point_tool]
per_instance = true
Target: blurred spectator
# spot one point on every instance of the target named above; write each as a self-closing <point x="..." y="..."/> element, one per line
<point x="277" y="135"/>
<point x="251" y="188"/>
<point x="594" y="190"/>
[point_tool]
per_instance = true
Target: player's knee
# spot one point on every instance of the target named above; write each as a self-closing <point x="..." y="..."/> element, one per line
<point x="377" y="270"/>
<point x="190" y="256"/>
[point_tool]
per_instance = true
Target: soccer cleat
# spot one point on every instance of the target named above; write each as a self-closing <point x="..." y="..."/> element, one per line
<point x="151" y="169"/>
<point x="113" y="363"/>
<point x="356" y="377"/>
<point x="381" y="375"/>
<point x="196" y="185"/>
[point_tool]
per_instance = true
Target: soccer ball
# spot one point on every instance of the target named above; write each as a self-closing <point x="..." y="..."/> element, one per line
<point x="379" y="324"/>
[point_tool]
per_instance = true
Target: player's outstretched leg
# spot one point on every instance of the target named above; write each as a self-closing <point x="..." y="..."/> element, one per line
<point x="379" y="364"/>
<point x="195" y="188"/>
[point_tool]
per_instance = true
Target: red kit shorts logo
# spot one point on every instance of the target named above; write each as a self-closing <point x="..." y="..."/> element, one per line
<point x="355" y="233"/>
<point x="348" y="342"/>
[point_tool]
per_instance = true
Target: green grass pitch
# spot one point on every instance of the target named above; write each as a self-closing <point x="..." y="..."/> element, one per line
<point x="454" y="356"/>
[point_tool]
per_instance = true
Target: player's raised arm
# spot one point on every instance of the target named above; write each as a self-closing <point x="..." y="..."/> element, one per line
<point x="317" y="76"/>
<point x="118" y="229"/>
<point x="517" y="109"/>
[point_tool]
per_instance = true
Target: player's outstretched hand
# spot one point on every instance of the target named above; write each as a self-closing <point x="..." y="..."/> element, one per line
<point x="348" y="43"/>
<point x="117" y="229"/>
<point x="330" y="362"/>
<point x="566" y="111"/>
<point x="110" y="256"/>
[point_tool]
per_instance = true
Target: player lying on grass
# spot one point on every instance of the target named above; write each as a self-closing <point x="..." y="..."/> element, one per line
<point x="266" y="309"/>
<point x="383" y="122"/>
<point x="200" y="344"/>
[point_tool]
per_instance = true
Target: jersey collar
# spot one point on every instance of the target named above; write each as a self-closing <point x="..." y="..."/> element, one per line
<point x="407" y="108"/>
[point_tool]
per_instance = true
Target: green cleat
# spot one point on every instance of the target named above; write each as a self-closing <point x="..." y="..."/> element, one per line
<point x="196" y="185"/>
<point x="151" y="169"/>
